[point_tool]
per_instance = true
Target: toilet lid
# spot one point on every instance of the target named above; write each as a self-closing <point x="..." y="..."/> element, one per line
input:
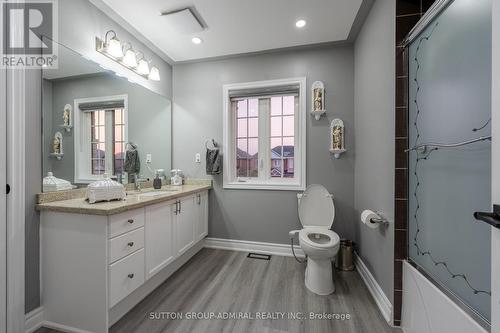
<point x="316" y="207"/>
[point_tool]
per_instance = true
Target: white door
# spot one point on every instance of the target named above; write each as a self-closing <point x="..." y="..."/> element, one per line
<point x="3" y="201"/>
<point x="495" y="150"/>
<point x="159" y="229"/>
<point x="184" y="224"/>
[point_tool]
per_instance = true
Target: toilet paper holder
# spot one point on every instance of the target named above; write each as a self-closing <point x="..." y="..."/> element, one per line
<point x="381" y="219"/>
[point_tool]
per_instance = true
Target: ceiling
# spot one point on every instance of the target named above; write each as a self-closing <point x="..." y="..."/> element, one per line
<point x="239" y="26"/>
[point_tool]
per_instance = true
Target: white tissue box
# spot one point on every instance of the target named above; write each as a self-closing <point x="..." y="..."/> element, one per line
<point x="105" y="190"/>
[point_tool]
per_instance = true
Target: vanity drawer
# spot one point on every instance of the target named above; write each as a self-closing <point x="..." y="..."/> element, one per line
<point x="125" y="276"/>
<point x="124" y="222"/>
<point x="122" y="246"/>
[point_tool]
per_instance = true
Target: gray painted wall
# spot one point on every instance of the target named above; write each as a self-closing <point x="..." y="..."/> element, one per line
<point x="256" y="215"/>
<point x="374" y="105"/>
<point x="79" y="23"/>
<point x="148" y="113"/>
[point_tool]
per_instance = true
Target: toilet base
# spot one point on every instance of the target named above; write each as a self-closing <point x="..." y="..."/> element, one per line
<point x="319" y="276"/>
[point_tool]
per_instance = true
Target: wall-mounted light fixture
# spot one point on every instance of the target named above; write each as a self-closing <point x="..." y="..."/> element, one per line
<point x="124" y="54"/>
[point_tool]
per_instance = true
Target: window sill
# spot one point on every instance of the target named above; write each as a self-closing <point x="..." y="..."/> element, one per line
<point x="264" y="186"/>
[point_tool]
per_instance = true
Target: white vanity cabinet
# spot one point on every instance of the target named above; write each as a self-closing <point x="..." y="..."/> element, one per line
<point x="97" y="267"/>
<point x="160" y="237"/>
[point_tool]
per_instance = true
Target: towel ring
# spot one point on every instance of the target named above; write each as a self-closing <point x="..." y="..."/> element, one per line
<point x="215" y="145"/>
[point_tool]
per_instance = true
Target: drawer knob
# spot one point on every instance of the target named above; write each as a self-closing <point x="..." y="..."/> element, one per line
<point x="130" y="244"/>
<point x="131" y="276"/>
<point x="131" y="221"/>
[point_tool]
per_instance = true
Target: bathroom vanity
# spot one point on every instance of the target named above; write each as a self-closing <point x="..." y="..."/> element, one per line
<point x="99" y="260"/>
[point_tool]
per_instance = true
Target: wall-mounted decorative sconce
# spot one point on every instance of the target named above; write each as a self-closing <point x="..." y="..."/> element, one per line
<point x="67" y="118"/>
<point x="124" y="54"/>
<point x="318" y="99"/>
<point x="337" y="142"/>
<point x="57" y="146"/>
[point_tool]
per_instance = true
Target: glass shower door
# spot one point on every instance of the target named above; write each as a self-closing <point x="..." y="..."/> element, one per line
<point x="450" y="105"/>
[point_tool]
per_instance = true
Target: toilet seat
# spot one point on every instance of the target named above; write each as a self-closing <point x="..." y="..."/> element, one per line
<point x="334" y="239"/>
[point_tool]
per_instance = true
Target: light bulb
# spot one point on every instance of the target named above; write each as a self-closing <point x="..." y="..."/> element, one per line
<point x="154" y="74"/>
<point x="130" y="59"/>
<point x="300" y="23"/>
<point x="143" y="67"/>
<point x="114" y="48"/>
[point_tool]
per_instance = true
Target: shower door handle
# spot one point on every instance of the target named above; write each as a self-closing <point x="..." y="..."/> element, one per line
<point x="492" y="219"/>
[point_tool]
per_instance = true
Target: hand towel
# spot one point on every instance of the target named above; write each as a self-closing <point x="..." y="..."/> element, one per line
<point x="214" y="162"/>
<point x="132" y="164"/>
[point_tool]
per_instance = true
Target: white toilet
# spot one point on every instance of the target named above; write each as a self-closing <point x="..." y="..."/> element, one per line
<point x="319" y="243"/>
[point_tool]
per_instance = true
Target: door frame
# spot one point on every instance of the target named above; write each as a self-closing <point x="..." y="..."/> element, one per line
<point x="15" y="200"/>
<point x="3" y="201"/>
<point x="495" y="169"/>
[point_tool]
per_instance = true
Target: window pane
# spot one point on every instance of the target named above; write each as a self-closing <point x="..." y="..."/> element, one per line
<point x="242" y="128"/>
<point x="276" y="126"/>
<point x="118" y="133"/>
<point x="253" y="127"/>
<point x="276" y="168"/>
<point x="253" y="148"/>
<point x="288" y="171"/>
<point x="288" y="105"/>
<point x="253" y="107"/>
<point x="276" y="147"/>
<point x="253" y="167"/>
<point x="242" y="108"/>
<point x="118" y="116"/>
<point x="289" y="141"/>
<point x="288" y="126"/>
<point x="242" y="148"/>
<point x="275" y="106"/>
<point x="98" y="167"/>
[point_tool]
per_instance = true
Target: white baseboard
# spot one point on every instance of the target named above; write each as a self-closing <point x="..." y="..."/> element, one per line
<point x="62" y="328"/>
<point x="33" y="320"/>
<point x="257" y="247"/>
<point x="383" y="303"/>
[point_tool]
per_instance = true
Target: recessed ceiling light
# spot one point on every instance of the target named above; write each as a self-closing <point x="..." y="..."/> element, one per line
<point x="300" y="23"/>
<point x="197" y="40"/>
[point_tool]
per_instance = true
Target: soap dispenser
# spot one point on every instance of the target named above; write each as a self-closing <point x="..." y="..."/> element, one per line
<point x="176" y="178"/>
<point x="157" y="182"/>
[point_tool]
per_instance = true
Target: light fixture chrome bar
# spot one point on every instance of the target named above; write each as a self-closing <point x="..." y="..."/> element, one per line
<point x="437" y="7"/>
<point x="450" y="145"/>
<point x="100" y="47"/>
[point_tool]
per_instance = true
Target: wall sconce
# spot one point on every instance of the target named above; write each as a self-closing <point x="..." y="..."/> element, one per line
<point x="124" y="54"/>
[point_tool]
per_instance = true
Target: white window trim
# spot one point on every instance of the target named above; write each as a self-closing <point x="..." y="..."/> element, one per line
<point x="228" y="127"/>
<point x="82" y="169"/>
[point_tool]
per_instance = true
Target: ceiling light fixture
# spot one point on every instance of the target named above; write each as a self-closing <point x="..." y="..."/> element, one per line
<point x="300" y="23"/>
<point x="197" y="40"/>
<point x="124" y="54"/>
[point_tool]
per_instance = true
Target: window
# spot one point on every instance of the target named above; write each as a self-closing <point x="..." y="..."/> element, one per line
<point x="264" y="135"/>
<point x="100" y="138"/>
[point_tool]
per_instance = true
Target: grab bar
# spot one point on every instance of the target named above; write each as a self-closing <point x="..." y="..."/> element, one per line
<point x="450" y="145"/>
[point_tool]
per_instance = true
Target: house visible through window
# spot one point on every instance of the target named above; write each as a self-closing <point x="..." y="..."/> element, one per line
<point x="265" y="136"/>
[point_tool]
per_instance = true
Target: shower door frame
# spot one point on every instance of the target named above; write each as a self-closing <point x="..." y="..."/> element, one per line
<point x="495" y="159"/>
<point x="435" y="10"/>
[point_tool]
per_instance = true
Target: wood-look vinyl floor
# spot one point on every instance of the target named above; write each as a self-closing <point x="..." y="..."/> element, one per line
<point x="221" y="282"/>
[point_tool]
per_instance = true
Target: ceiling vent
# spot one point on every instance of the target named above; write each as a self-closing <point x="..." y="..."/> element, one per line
<point x="183" y="21"/>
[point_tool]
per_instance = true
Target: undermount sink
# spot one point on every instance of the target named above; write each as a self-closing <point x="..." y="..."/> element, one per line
<point x="156" y="193"/>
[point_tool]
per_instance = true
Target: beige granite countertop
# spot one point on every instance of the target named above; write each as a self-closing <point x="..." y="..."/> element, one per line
<point x="134" y="200"/>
